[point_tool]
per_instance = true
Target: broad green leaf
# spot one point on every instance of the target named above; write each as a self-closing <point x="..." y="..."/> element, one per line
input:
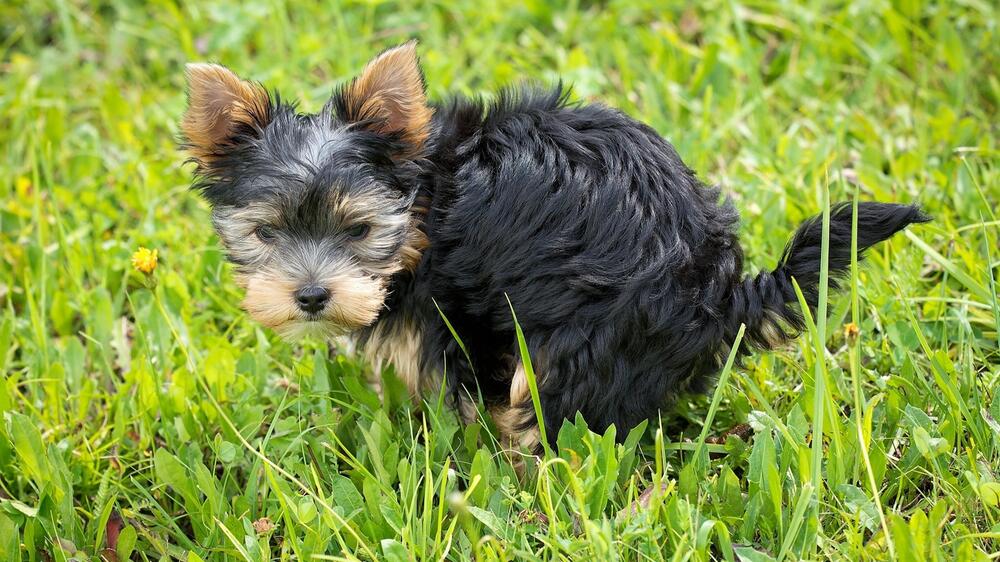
<point x="344" y="493"/>
<point x="495" y="524"/>
<point x="749" y="554"/>
<point x="27" y="442"/>
<point x="126" y="542"/>
<point x="394" y="551"/>
<point x="989" y="492"/>
<point x="306" y="510"/>
<point x="171" y="472"/>
<point x="10" y="548"/>
<point x="929" y="447"/>
<point x="227" y="452"/>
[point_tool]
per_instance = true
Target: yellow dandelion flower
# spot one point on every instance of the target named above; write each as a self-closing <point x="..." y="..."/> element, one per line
<point x="144" y="260"/>
<point x="851" y="332"/>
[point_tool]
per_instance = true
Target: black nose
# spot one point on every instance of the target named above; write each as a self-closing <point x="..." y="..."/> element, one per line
<point x="312" y="298"/>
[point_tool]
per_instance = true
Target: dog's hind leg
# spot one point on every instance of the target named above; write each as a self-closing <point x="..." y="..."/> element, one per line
<point x="515" y="420"/>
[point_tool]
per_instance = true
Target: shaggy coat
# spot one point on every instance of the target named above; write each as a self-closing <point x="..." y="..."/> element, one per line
<point x="624" y="270"/>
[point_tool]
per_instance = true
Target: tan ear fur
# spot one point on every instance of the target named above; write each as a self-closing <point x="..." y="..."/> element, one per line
<point x="390" y="93"/>
<point x="218" y="103"/>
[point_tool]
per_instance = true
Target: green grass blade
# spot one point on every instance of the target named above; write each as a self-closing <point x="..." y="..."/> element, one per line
<point x="529" y="374"/>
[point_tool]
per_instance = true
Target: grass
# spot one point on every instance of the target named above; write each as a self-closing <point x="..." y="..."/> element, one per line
<point x="144" y="417"/>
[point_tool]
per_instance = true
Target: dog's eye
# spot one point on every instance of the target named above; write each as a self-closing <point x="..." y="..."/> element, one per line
<point x="358" y="231"/>
<point x="265" y="233"/>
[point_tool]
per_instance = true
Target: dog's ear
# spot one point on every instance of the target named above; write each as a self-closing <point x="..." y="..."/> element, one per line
<point x="389" y="97"/>
<point x="222" y="110"/>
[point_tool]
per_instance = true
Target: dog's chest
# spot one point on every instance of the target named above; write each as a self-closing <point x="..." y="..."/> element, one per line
<point x="398" y="343"/>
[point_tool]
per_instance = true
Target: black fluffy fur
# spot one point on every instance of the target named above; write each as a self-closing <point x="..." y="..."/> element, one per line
<point x="624" y="270"/>
<point x="770" y="295"/>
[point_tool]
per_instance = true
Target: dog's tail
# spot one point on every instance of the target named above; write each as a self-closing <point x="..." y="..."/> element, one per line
<point x="766" y="303"/>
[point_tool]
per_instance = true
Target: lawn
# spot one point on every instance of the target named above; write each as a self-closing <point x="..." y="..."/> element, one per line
<point x="143" y="416"/>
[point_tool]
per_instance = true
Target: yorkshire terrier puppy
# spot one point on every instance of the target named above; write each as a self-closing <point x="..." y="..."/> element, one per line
<point x="624" y="270"/>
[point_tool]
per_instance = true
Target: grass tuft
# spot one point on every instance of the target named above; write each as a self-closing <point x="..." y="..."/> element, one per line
<point x="144" y="417"/>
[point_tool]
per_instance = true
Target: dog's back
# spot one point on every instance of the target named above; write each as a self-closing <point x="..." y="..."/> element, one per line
<point x="617" y="260"/>
<point x="624" y="270"/>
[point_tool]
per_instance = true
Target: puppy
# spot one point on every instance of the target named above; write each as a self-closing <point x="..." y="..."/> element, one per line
<point x="383" y="212"/>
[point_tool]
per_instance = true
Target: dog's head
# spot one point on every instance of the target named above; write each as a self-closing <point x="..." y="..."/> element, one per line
<point x="315" y="211"/>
